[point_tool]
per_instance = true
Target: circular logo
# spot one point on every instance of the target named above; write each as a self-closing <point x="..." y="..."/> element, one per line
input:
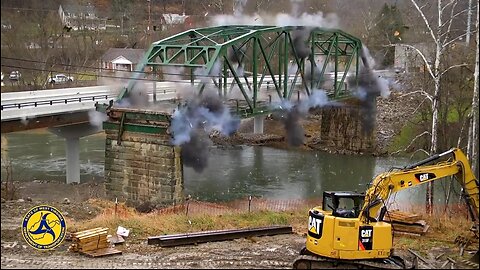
<point x="44" y="227"/>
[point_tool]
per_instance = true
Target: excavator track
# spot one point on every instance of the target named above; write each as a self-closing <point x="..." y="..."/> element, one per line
<point x="310" y="261"/>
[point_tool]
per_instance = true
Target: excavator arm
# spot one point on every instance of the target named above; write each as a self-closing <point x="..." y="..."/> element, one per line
<point x="385" y="184"/>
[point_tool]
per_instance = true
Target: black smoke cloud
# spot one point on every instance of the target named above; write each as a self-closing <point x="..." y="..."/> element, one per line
<point x="191" y="124"/>
<point x="299" y="40"/>
<point x="195" y="151"/>
<point x="369" y="87"/>
<point x="291" y="115"/>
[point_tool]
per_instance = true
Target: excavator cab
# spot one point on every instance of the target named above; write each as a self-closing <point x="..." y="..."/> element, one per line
<point x="343" y="203"/>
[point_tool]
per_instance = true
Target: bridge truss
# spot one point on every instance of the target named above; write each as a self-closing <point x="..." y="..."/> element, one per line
<point x="249" y="59"/>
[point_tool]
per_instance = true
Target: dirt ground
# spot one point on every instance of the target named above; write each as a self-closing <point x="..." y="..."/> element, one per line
<point x="270" y="252"/>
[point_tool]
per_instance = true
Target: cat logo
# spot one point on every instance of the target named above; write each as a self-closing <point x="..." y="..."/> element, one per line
<point x="424" y="176"/>
<point x="315" y="225"/>
<point x="366" y="233"/>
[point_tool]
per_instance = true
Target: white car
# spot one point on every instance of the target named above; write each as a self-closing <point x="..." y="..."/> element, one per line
<point x="15" y="75"/>
<point x="60" y="78"/>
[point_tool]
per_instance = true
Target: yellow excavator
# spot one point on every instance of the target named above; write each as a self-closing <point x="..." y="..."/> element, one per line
<point x="349" y="230"/>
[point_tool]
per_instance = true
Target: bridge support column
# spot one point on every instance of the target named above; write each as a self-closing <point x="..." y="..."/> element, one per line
<point x="72" y="135"/>
<point x="141" y="164"/>
<point x="73" y="160"/>
<point x="154" y="91"/>
<point x="258" y="124"/>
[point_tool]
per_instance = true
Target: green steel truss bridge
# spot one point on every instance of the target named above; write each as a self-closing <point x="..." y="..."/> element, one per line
<point x="288" y="59"/>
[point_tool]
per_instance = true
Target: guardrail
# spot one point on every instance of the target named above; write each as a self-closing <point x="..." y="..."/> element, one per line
<point x="56" y="101"/>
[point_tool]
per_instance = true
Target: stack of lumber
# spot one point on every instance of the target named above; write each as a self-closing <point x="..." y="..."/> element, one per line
<point x="406" y="222"/>
<point x="89" y="240"/>
<point x="92" y="242"/>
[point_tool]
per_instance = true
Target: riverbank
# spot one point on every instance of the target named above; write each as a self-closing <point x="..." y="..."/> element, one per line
<point x="392" y="114"/>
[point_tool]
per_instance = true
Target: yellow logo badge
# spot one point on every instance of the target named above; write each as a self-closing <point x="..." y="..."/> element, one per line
<point x="44" y="227"/>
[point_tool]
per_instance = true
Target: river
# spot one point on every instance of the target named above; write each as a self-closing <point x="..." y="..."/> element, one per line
<point x="231" y="174"/>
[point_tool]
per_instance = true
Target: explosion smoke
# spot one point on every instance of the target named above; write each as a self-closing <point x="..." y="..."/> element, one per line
<point x="369" y="87"/>
<point x="290" y="115"/>
<point x="191" y="123"/>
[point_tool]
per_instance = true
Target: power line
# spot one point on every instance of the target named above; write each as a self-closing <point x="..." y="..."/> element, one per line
<point x="86" y="74"/>
<point x="30" y="9"/>
<point x="107" y="69"/>
<point x="101" y="69"/>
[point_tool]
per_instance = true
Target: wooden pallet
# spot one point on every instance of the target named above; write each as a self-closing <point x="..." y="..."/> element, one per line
<point x="399" y="216"/>
<point x="406" y="222"/>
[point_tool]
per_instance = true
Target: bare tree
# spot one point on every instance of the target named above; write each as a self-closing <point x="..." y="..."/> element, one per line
<point x="472" y="149"/>
<point x="439" y="29"/>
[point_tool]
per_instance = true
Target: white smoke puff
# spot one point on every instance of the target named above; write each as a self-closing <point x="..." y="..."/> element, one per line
<point x="367" y="59"/>
<point x="240" y="71"/>
<point x="235" y="92"/>
<point x="204" y="76"/>
<point x="201" y="74"/>
<point x="292" y="69"/>
<point x="360" y="93"/>
<point x="220" y="20"/>
<point x="284" y="104"/>
<point x="384" y="86"/>
<point x="123" y="103"/>
<point x="172" y="73"/>
<point x="238" y="7"/>
<point x="296" y="5"/>
<point x="216" y="69"/>
<point x="317" y="99"/>
<point x="318" y="19"/>
<point x="220" y="122"/>
<point x="181" y="127"/>
<point x="97" y="118"/>
<point x="185" y="91"/>
<point x="24" y="120"/>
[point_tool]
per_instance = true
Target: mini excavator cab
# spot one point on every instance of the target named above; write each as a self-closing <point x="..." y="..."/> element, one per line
<point x="343" y="204"/>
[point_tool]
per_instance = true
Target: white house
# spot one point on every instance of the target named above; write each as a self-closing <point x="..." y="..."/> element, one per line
<point x="79" y="17"/>
<point x="118" y="59"/>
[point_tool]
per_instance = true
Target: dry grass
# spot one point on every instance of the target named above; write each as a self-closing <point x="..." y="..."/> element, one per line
<point x="443" y="227"/>
<point x="160" y="223"/>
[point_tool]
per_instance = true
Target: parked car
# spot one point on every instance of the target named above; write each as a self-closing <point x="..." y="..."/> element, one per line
<point x="60" y="78"/>
<point x="15" y="75"/>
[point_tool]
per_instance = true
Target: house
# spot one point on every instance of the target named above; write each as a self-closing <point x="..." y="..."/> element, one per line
<point x="409" y="60"/>
<point x="77" y="17"/>
<point x="170" y="19"/>
<point x="118" y="59"/>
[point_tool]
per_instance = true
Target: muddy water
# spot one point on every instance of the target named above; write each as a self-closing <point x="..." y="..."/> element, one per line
<point x="231" y="174"/>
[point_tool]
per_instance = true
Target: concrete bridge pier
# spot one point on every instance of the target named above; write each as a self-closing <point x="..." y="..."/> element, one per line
<point x="258" y="124"/>
<point x="72" y="135"/>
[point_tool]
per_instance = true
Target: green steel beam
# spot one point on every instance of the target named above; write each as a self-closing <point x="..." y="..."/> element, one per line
<point x="135" y="128"/>
<point x="265" y="51"/>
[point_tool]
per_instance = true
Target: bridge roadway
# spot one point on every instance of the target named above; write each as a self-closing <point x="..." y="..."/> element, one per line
<point x="47" y="108"/>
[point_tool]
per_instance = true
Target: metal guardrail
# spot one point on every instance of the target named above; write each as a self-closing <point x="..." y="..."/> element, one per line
<point x="211" y="236"/>
<point x="56" y="101"/>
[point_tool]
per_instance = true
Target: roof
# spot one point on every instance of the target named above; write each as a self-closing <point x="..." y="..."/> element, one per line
<point x="79" y="9"/>
<point x="134" y="55"/>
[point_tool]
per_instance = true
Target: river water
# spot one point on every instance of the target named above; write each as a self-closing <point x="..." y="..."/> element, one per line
<point x="231" y="173"/>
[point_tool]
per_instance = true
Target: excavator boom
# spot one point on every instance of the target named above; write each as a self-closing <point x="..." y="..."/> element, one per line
<point x="348" y="230"/>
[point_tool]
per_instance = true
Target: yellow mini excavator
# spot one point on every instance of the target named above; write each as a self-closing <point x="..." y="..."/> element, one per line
<point x="348" y="231"/>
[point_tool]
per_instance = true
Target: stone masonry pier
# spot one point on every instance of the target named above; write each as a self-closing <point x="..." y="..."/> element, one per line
<point x="140" y="163"/>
